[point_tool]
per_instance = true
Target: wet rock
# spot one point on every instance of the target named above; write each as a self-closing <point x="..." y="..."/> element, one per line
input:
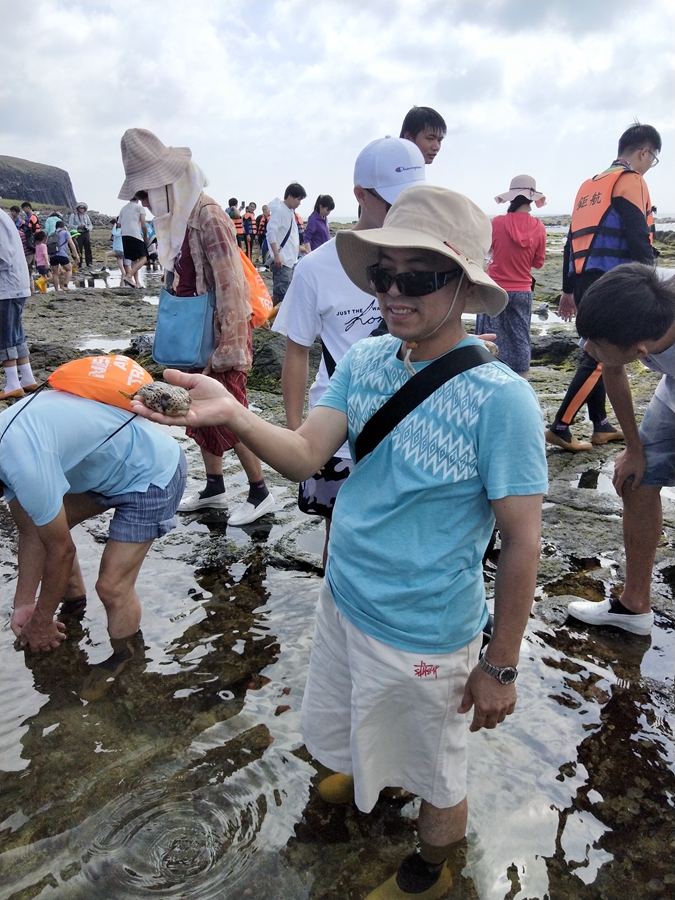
<point x="553" y="349"/>
<point x="45" y="356"/>
<point x="269" y="355"/>
<point x="269" y="348"/>
<point x="142" y="343"/>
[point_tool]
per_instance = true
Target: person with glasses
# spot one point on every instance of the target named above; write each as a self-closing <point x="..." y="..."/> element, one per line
<point x="612" y="223"/>
<point x="394" y="666"/>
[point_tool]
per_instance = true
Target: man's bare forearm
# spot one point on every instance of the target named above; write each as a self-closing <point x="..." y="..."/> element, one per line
<point x="619" y="393"/>
<point x="515" y="579"/>
<point x="295" y="454"/>
<point x="294" y="378"/>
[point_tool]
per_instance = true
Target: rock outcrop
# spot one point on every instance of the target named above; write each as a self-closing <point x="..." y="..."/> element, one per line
<point x="21" y="180"/>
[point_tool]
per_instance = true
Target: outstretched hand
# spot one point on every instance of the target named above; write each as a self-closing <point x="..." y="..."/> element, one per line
<point x="492" y="702"/>
<point x="212" y="404"/>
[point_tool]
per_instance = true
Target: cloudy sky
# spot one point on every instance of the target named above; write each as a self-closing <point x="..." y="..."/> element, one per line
<point x="265" y="92"/>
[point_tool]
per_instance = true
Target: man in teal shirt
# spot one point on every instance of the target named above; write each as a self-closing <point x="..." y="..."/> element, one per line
<point x="395" y="658"/>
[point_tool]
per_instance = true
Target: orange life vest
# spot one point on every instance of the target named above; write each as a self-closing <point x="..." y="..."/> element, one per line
<point x="597" y="237"/>
<point x="262" y="224"/>
<point x="249" y="228"/>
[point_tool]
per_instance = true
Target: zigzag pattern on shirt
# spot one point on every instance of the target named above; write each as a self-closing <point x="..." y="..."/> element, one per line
<point x="459" y="400"/>
<point x="438" y="434"/>
<point x="428" y="444"/>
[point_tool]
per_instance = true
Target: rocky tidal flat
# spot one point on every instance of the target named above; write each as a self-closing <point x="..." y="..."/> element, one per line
<point x="189" y="778"/>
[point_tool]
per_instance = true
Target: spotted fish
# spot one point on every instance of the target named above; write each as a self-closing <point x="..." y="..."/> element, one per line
<point x="163" y="398"/>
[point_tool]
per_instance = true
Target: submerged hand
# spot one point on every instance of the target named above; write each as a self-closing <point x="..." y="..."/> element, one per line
<point x="212" y="404"/>
<point x="42" y="635"/>
<point x="492" y="701"/>
<point x="21" y="615"/>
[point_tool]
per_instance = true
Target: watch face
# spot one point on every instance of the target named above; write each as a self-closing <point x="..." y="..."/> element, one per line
<point x="508" y="675"/>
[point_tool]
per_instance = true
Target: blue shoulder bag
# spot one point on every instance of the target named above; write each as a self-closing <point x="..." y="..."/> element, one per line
<point x="184" y="338"/>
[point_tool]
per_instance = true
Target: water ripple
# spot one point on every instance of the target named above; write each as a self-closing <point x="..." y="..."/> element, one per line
<point x="175" y="843"/>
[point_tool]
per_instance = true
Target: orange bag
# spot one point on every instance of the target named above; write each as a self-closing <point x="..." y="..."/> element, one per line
<point x="101" y="378"/>
<point x="261" y="302"/>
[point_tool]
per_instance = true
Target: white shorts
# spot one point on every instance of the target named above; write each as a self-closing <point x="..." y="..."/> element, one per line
<point x="386" y="716"/>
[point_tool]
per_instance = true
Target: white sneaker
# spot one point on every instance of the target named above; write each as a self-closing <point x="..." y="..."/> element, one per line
<point x="191" y="502"/>
<point x="601" y="614"/>
<point x="247" y="512"/>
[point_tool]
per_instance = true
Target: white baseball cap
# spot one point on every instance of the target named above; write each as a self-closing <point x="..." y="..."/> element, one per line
<point x="389" y="165"/>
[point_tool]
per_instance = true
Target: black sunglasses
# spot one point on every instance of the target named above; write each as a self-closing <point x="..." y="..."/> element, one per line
<point x="410" y="284"/>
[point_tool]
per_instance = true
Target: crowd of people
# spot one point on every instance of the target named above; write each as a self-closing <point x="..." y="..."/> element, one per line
<point x="418" y="443"/>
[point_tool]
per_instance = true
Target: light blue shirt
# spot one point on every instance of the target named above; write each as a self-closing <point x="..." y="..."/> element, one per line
<point x="411" y="523"/>
<point x="117" y="245"/>
<point x="50" y="224"/>
<point x="54" y="443"/>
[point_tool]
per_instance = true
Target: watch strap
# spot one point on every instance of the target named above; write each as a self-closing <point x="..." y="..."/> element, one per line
<point x="497" y="671"/>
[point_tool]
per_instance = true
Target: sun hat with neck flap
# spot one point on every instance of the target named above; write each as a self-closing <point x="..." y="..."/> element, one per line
<point x="425" y="217"/>
<point x="148" y="163"/>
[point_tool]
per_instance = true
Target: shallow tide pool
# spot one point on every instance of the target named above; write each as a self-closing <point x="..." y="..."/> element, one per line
<point x="188" y="778"/>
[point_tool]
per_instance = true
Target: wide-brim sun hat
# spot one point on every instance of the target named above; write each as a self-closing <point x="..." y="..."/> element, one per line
<point x="426" y="217"/>
<point x="522" y="186"/>
<point x="82" y="206"/>
<point x="148" y="163"/>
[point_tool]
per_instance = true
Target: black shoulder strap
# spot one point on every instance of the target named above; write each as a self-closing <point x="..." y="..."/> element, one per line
<point x="288" y="233"/>
<point x="416" y="390"/>
<point x="39" y="391"/>
<point x="328" y="360"/>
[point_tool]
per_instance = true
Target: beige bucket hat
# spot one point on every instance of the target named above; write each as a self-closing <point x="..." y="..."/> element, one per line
<point x="426" y="217"/>
<point x="148" y="163"/>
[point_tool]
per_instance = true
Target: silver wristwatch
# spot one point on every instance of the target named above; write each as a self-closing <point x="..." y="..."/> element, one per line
<point x="503" y="674"/>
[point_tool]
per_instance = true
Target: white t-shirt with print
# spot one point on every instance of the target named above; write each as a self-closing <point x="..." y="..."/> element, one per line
<point x="322" y="302"/>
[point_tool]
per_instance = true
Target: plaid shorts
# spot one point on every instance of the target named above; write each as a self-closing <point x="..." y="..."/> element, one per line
<point x="142" y="516"/>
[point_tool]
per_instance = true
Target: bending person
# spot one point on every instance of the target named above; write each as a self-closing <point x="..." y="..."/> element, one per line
<point x="65" y="459"/>
<point x="629" y="314"/>
<point x="403" y="603"/>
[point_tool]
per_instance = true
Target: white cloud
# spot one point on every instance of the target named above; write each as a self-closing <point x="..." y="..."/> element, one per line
<point x="268" y="92"/>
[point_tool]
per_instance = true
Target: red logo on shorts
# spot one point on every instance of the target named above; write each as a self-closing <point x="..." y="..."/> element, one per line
<point x="423" y="670"/>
